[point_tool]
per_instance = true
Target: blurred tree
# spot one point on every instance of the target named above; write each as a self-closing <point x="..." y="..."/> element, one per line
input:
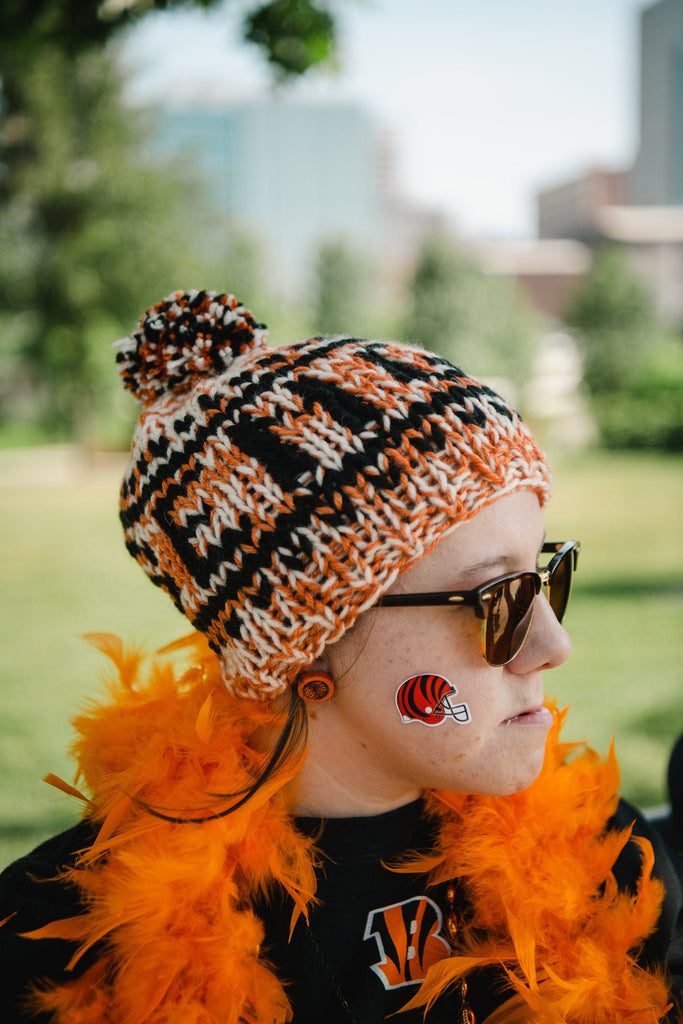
<point x="337" y="288"/>
<point x="89" y="237"/>
<point x="613" y="316"/>
<point x="632" y="370"/>
<point x="648" y="413"/>
<point x="293" y="34"/>
<point x="475" y="320"/>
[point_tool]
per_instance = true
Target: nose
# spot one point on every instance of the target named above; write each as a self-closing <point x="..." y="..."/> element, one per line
<point x="547" y="645"/>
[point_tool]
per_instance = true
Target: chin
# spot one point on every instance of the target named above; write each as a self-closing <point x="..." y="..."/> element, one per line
<point x="507" y="782"/>
<point x="523" y="779"/>
<point x="499" y="772"/>
<point x="499" y="785"/>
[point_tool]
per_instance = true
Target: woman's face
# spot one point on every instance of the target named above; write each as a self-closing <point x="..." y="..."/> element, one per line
<point x="364" y="757"/>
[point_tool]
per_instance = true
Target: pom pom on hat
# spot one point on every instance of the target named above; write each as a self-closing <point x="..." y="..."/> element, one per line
<point x="184" y="337"/>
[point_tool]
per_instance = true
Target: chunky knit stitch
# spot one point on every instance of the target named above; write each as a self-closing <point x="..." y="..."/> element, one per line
<point x="275" y="494"/>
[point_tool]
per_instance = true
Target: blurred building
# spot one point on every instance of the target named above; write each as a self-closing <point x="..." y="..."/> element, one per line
<point x="294" y="176"/>
<point x="594" y="210"/>
<point x="546" y="270"/>
<point x="657" y="177"/>
<point x="639" y="209"/>
<point x="571" y="209"/>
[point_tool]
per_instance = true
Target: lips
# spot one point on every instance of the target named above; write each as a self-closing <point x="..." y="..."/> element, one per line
<point x="537" y="715"/>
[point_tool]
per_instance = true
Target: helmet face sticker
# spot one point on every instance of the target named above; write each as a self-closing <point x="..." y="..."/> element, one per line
<point x="426" y="698"/>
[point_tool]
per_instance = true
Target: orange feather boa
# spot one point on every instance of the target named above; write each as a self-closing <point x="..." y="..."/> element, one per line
<point x="171" y="903"/>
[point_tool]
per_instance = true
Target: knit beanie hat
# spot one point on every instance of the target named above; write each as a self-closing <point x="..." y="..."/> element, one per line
<point x="275" y="494"/>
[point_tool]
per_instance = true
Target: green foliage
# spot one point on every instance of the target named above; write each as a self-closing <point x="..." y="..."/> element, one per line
<point x="338" y="288"/>
<point x="294" y="34"/>
<point x="473" y="319"/>
<point x="88" y="235"/>
<point x="633" y="374"/>
<point x="614" y="318"/>
<point x="70" y="24"/>
<point x="91" y="234"/>
<point x="648" y="413"/>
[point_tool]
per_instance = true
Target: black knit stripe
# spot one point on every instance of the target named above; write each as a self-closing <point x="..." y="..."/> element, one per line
<point x="357" y="411"/>
<point x="274" y="589"/>
<point x="283" y="585"/>
<point x="235" y="548"/>
<point x="288" y="525"/>
<point x="249" y="446"/>
<point x="347" y="509"/>
<point x="237" y="538"/>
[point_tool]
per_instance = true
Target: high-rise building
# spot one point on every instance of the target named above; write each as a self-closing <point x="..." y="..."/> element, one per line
<point x="657" y="177"/>
<point x="293" y="175"/>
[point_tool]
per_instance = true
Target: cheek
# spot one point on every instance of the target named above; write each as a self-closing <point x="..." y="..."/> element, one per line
<point x="406" y="664"/>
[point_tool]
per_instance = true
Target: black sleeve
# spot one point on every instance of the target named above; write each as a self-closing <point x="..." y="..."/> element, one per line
<point x="664" y="948"/>
<point x="31" y="896"/>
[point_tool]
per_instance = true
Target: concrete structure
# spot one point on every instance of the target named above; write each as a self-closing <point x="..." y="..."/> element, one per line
<point x="656" y="179"/>
<point x="292" y="175"/>
<point x="658" y="172"/>
<point x="546" y="270"/>
<point x="570" y="210"/>
<point x="641" y="210"/>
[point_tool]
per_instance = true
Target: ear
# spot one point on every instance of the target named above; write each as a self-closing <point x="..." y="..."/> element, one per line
<point x="322" y="664"/>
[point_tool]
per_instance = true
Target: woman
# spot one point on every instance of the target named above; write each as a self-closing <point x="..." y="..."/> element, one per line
<point x="339" y="808"/>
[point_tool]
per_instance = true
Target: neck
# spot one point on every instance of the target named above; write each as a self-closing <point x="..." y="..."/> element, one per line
<point x="319" y="792"/>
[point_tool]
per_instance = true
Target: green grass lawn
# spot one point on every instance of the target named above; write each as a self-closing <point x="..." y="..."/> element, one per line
<point x="625" y="675"/>
<point x="65" y="572"/>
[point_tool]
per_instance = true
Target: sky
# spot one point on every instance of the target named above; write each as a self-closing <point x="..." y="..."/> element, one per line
<point x="485" y="101"/>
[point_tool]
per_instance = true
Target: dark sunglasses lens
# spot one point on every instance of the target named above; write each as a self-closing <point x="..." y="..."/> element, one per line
<point x="560" y="585"/>
<point x="509" y="619"/>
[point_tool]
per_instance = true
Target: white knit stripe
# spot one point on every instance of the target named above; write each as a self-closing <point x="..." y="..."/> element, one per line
<point x="345" y="371"/>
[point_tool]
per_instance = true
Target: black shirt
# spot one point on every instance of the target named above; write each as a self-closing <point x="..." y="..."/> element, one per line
<point x="373" y="933"/>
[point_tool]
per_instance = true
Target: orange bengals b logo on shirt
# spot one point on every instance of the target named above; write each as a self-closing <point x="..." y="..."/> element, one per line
<point x="409" y="940"/>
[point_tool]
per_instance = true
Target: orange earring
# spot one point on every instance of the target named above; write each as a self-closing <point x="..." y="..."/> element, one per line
<point x="315" y="686"/>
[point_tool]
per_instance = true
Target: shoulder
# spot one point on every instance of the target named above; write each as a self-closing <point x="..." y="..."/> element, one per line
<point x="28" y="883"/>
<point x="31" y="895"/>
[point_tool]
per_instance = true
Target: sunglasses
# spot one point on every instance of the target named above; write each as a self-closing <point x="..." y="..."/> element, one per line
<point x="506" y="605"/>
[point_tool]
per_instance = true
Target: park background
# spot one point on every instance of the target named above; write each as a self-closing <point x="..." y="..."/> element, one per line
<point x="479" y="180"/>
